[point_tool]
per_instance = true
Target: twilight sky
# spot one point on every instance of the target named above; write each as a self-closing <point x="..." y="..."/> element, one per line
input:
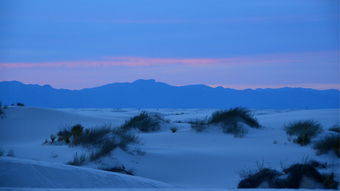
<point x="231" y="43"/>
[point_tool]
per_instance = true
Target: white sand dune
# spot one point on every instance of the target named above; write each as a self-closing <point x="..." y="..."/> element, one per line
<point x="37" y="174"/>
<point x="187" y="159"/>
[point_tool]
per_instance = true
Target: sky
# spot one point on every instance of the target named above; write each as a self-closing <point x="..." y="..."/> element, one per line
<point x="231" y="43"/>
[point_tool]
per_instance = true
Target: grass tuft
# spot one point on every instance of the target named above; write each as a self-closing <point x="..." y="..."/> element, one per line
<point x="304" y="131"/>
<point x="145" y="122"/>
<point x="327" y="144"/>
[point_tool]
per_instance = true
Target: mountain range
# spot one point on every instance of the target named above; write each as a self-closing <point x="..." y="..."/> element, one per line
<point x="152" y="94"/>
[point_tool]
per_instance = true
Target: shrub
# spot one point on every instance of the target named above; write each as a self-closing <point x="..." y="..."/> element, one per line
<point x="256" y="179"/>
<point x="20" y="104"/>
<point x="78" y="160"/>
<point x="335" y="128"/>
<point x="102" y="139"/>
<point x="64" y="136"/>
<point x="291" y="177"/>
<point x="126" y="139"/>
<point x="199" y="125"/>
<point x="237" y="129"/>
<point x="105" y="149"/>
<point x="304" y="131"/>
<point x="119" y="169"/>
<point x="234" y="115"/>
<point x="77" y="130"/>
<point x="145" y="122"/>
<point x="327" y="144"/>
<point x="52" y="137"/>
<point x="92" y="137"/>
<point x="173" y="129"/>
<point x="2" y="113"/>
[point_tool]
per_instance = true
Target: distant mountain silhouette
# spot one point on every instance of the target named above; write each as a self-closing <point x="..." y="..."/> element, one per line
<point x="152" y="94"/>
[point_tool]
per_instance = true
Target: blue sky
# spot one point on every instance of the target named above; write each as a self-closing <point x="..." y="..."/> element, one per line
<point x="238" y="44"/>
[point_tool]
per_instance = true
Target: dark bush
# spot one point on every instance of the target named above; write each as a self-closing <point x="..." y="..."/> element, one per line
<point x="92" y="137"/>
<point x="52" y="137"/>
<point x="173" y="129"/>
<point x="78" y="160"/>
<point x="291" y="177"/>
<point x="64" y="136"/>
<point x="102" y="139"/>
<point x="335" y="128"/>
<point x="304" y="131"/>
<point x="264" y="175"/>
<point x="234" y="115"/>
<point x="20" y="104"/>
<point x="120" y="169"/>
<point x="238" y="130"/>
<point x="327" y="144"/>
<point x="77" y="130"/>
<point x="145" y="122"/>
<point x="106" y="147"/>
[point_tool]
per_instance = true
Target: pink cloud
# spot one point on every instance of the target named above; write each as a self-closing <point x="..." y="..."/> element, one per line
<point x="143" y="61"/>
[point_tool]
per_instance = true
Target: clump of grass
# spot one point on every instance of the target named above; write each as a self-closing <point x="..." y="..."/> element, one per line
<point x="173" y="129"/>
<point x="303" y="130"/>
<point x="335" y="128"/>
<point x="93" y="136"/>
<point x="53" y="138"/>
<point x="145" y="122"/>
<point x="327" y="144"/>
<point x="106" y="148"/>
<point x="231" y="121"/>
<point x="254" y="180"/>
<point x="120" y="169"/>
<point x="291" y="177"/>
<point x="102" y="139"/>
<point x="2" y="113"/>
<point x="20" y="104"/>
<point x="234" y="115"/>
<point x="234" y="128"/>
<point x="78" y="160"/>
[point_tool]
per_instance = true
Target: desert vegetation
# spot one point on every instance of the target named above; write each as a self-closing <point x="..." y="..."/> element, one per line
<point x="295" y="176"/>
<point x="303" y="131"/>
<point x="145" y="122"/>
<point x="101" y="141"/>
<point x="232" y="121"/>
<point x="329" y="143"/>
<point x="120" y="169"/>
<point x="335" y="128"/>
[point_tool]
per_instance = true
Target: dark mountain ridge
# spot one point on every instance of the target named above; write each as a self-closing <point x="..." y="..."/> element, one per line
<point x="152" y="94"/>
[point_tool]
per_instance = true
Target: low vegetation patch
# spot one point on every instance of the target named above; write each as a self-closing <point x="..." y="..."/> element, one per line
<point x="304" y="131"/>
<point x="335" y="128"/>
<point x="173" y="129"/>
<point x="145" y="122"/>
<point x="20" y="104"/>
<point x="296" y="176"/>
<point x="232" y="121"/>
<point x="78" y="160"/>
<point x="2" y="112"/>
<point x="329" y="143"/>
<point x="102" y="141"/>
<point x="120" y="169"/>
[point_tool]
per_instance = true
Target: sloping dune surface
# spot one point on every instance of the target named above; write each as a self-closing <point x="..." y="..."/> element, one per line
<point x="37" y="174"/>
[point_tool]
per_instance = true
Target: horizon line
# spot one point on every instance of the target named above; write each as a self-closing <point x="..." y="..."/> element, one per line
<point x="235" y="87"/>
